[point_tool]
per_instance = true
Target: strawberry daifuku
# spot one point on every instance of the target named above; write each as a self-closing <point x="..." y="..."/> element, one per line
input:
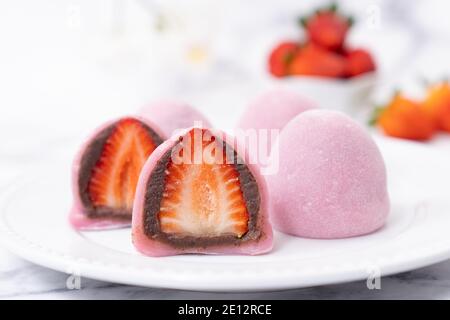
<point x="266" y="116"/>
<point x="196" y="194"/>
<point x="172" y="115"/>
<point x="273" y="110"/>
<point x="331" y="181"/>
<point x="106" y="171"/>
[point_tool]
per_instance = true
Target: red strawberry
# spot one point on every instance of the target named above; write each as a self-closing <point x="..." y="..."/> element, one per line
<point x="114" y="177"/>
<point x="359" y="61"/>
<point x="280" y="58"/>
<point x="203" y="199"/>
<point x="313" y="60"/>
<point x="327" y="28"/>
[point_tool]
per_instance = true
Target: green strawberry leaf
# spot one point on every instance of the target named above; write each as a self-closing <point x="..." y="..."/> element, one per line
<point x="333" y="7"/>
<point x="376" y="115"/>
<point x="303" y="21"/>
<point x="350" y="21"/>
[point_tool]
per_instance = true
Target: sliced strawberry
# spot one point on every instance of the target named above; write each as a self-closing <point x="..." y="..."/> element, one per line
<point x="114" y="177"/>
<point x="203" y="199"/>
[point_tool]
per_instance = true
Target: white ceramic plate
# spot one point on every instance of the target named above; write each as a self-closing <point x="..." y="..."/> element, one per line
<point x="33" y="225"/>
<point x="351" y="96"/>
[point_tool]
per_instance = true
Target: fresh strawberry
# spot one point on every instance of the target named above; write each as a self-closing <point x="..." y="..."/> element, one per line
<point x="280" y="58"/>
<point x="359" y="61"/>
<point x="327" y="28"/>
<point x="203" y="199"/>
<point x="437" y="105"/>
<point x="313" y="60"/>
<point x="114" y="177"/>
<point x="405" y="118"/>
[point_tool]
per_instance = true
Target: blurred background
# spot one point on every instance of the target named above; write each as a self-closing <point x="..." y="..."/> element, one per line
<point x="68" y="65"/>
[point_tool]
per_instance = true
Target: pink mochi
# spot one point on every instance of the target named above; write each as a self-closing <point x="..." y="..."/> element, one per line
<point x="78" y="216"/>
<point x="331" y="181"/>
<point x="153" y="246"/>
<point x="273" y="110"/>
<point x="172" y="115"/>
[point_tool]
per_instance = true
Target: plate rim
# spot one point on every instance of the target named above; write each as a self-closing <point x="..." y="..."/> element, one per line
<point x="19" y="245"/>
<point x="120" y="273"/>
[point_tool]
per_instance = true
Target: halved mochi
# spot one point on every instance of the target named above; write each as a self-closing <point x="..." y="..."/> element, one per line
<point x="106" y="171"/>
<point x="196" y="194"/>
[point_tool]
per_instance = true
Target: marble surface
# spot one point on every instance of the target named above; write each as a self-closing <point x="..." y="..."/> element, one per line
<point x="68" y="65"/>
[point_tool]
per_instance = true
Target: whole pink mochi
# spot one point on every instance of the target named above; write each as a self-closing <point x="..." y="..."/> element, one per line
<point x="273" y="110"/>
<point x="331" y="181"/>
<point x="173" y="115"/>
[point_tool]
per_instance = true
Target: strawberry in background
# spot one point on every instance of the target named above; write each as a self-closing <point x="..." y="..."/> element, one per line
<point x="281" y="57"/>
<point x="327" y="27"/>
<point x="314" y="60"/>
<point x="437" y="104"/>
<point x="405" y="118"/>
<point x="323" y="52"/>
<point x="359" y="61"/>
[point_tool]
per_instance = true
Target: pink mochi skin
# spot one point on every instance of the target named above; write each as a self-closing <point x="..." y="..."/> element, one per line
<point x="155" y="248"/>
<point x="273" y="110"/>
<point x="173" y="115"/>
<point x="331" y="181"/>
<point x="77" y="217"/>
